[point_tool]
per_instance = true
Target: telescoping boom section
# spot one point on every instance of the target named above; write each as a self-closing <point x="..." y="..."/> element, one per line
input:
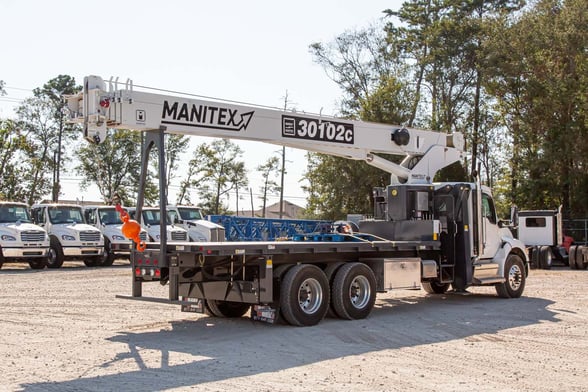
<point x="98" y="108"/>
<point x="422" y="234"/>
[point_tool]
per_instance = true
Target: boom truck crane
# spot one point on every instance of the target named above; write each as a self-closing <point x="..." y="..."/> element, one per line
<point x="434" y="235"/>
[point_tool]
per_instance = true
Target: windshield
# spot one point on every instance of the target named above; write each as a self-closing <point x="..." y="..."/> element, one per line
<point x="10" y="213"/>
<point x="109" y="216"/>
<point x="151" y="217"/>
<point x="64" y="214"/>
<point x="190" y="213"/>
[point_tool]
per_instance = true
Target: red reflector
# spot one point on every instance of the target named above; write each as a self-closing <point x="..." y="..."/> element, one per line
<point x="138" y="271"/>
<point x="201" y="248"/>
<point x="158" y="273"/>
<point x="105" y="103"/>
<point x="146" y="261"/>
<point x="208" y="252"/>
<point x="139" y="261"/>
<point x="155" y="262"/>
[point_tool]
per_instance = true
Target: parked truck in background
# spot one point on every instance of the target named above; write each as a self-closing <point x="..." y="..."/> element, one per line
<point x="20" y="239"/>
<point x="150" y="221"/>
<point x="71" y="238"/>
<point x="438" y="236"/>
<point x="542" y="233"/>
<point x="190" y="218"/>
<point x="107" y="220"/>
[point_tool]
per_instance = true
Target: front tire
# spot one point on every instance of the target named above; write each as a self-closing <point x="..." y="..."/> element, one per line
<point x="354" y="291"/>
<point x="304" y="295"/>
<point x="545" y="257"/>
<point x="55" y="254"/>
<point x="38" y="264"/>
<point x="108" y="256"/>
<point x="514" y="273"/>
<point x="435" y="287"/>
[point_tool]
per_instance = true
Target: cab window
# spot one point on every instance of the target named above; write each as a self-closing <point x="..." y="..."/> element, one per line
<point x="488" y="210"/>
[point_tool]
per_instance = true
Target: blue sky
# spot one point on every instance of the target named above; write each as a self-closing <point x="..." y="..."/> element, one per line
<point x="251" y="51"/>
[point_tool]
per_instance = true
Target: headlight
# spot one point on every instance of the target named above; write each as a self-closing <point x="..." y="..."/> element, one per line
<point x="117" y="237"/>
<point x="157" y="237"/>
<point x="66" y="237"/>
<point x="6" y="237"/>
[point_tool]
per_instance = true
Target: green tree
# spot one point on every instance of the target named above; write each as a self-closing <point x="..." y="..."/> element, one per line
<point x="270" y="168"/>
<point x="215" y="170"/>
<point x="114" y="167"/>
<point x="37" y="124"/>
<point x="538" y="73"/>
<point x="12" y="143"/>
<point x="52" y="92"/>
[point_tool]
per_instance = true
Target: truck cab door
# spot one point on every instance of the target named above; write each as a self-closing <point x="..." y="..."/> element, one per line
<point x="490" y="229"/>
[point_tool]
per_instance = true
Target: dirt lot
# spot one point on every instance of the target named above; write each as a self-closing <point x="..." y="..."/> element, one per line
<point x="64" y="330"/>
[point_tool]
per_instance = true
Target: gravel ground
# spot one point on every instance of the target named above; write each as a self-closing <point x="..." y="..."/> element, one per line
<point x="65" y="330"/>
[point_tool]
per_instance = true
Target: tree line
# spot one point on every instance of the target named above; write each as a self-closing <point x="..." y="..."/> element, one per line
<point x="511" y="76"/>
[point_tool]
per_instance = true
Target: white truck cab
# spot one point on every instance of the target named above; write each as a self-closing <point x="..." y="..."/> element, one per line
<point x="199" y="229"/>
<point x="20" y="239"/>
<point x="70" y="237"/>
<point x="107" y="220"/>
<point x="150" y="219"/>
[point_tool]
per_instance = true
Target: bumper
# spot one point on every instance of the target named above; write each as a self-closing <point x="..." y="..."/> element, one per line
<point x="25" y="253"/>
<point x="85" y="251"/>
<point x="124" y="248"/>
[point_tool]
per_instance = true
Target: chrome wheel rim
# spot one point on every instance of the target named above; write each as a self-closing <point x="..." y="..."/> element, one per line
<point x="359" y="292"/>
<point x="310" y="296"/>
<point x="515" y="277"/>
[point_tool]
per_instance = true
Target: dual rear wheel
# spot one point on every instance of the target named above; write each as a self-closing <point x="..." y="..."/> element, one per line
<point x="307" y="293"/>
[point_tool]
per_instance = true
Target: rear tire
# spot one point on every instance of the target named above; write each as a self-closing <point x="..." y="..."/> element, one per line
<point x="514" y="273"/>
<point x="580" y="262"/>
<point x="330" y="272"/>
<point x="304" y="295"/>
<point x="354" y="291"/>
<point x="227" y="309"/>
<point x="55" y="254"/>
<point x="572" y="256"/>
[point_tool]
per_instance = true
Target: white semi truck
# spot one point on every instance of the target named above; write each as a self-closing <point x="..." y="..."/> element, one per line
<point x="20" y="239"/>
<point x="542" y="233"/>
<point x="199" y="230"/>
<point x="438" y="236"/>
<point x="151" y="222"/>
<point x="71" y="238"/>
<point x="107" y="220"/>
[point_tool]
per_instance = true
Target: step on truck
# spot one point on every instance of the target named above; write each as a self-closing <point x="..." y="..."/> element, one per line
<point x="107" y="220"/>
<point x="190" y="218"/>
<point x="71" y="238"/>
<point x="20" y="239"/>
<point x="435" y="236"/>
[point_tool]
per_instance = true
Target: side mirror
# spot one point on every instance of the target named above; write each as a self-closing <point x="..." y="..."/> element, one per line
<point x="514" y="215"/>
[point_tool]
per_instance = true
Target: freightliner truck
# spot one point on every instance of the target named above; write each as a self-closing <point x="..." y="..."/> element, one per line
<point x="71" y="238"/>
<point x="20" y="239"/>
<point x="435" y="235"/>
<point x="107" y="220"/>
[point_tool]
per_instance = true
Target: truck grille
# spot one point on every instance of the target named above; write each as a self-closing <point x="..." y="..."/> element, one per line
<point x="179" y="236"/>
<point x="143" y="236"/>
<point x="90" y="236"/>
<point x="32" y="236"/>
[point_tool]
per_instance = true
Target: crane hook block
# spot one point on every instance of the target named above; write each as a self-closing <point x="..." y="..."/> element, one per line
<point x="131" y="228"/>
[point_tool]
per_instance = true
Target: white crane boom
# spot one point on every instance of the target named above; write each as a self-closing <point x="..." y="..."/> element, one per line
<point x="426" y="152"/>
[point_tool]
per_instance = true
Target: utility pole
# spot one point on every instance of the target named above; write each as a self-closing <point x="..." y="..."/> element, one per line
<point x="283" y="172"/>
